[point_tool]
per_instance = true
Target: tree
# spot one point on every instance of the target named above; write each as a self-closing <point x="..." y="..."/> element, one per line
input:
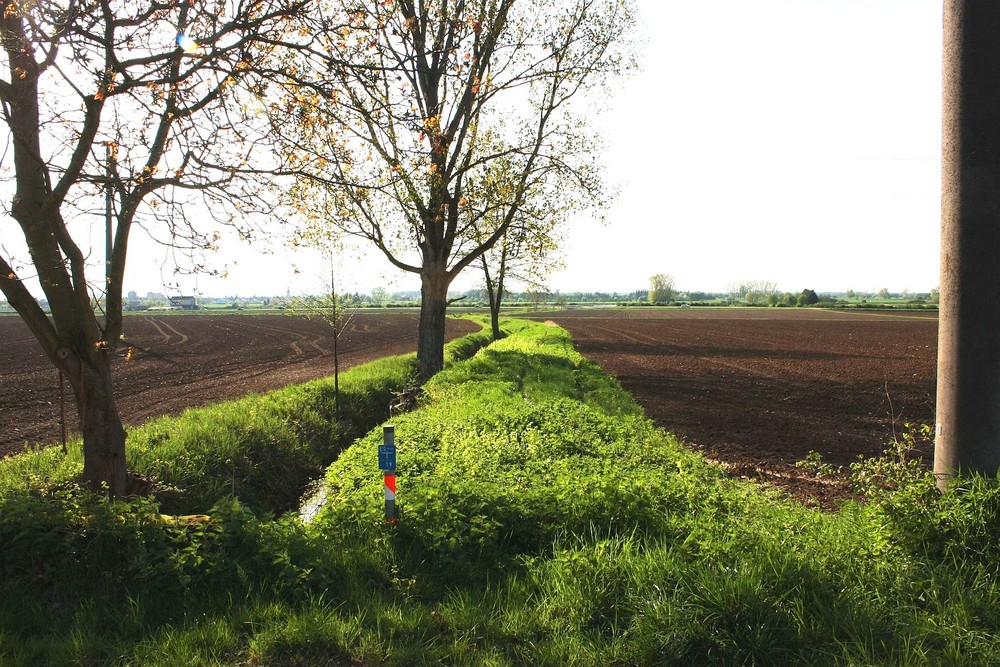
<point x="752" y="292"/>
<point x="808" y="297"/>
<point x="103" y="105"/>
<point x="396" y="113"/>
<point x="525" y="253"/>
<point x="661" y="288"/>
<point x="335" y="311"/>
<point x="379" y="296"/>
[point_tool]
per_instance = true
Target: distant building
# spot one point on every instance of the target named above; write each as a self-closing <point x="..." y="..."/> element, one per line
<point x="184" y="302"/>
<point x="133" y="303"/>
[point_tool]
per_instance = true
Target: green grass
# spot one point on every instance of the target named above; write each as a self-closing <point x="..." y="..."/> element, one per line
<point x="543" y="521"/>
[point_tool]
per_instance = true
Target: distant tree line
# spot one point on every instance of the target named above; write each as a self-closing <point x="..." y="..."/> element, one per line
<point x="750" y="293"/>
<point x="745" y="294"/>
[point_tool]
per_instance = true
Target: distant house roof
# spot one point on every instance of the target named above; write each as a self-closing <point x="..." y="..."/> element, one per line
<point x="183" y="301"/>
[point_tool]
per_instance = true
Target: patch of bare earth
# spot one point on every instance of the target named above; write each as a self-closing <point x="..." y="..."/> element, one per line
<point x="758" y="390"/>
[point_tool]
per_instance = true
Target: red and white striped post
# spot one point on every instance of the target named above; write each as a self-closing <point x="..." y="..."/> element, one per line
<point x="387" y="464"/>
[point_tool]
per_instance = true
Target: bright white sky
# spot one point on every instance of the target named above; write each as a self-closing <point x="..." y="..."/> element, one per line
<point x="788" y="140"/>
<point x="796" y="141"/>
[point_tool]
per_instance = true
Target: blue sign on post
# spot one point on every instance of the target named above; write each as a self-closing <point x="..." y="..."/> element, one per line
<point x="387" y="458"/>
<point x="387" y="452"/>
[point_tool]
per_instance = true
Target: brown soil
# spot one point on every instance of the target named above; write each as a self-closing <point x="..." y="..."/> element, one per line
<point x="188" y="360"/>
<point x="757" y="390"/>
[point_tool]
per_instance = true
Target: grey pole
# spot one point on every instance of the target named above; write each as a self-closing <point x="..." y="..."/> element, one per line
<point x="108" y="219"/>
<point x="968" y="390"/>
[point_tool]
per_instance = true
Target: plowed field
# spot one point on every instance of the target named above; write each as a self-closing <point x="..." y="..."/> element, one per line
<point x="759" y="389"/>
<point x="187" y="360"/>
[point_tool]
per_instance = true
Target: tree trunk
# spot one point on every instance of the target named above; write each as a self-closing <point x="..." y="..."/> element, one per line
<point x="495" y="318"/>
<point x="497" y="300"/>
<point x="433" y="309"/>
<point x="494" y="297"/>
<point x="104" y="467"/>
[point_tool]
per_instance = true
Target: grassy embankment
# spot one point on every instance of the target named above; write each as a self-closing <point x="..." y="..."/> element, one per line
<point x="545" y="520"/>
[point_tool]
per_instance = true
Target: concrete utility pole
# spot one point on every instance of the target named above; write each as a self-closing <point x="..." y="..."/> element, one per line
<point x="968" y="390"/>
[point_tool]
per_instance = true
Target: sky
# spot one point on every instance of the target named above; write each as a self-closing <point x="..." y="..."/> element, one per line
<point x="794" y="141"/>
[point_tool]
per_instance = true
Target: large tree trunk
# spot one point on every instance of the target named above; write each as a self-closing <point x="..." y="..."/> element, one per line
<point x="433" y="309"/>
<point x="104" y="467"/>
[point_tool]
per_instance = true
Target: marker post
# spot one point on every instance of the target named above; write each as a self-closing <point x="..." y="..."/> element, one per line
<point x="387" y="464"/>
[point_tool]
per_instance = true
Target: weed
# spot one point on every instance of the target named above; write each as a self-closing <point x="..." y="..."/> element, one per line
<point x="815" y="466"/>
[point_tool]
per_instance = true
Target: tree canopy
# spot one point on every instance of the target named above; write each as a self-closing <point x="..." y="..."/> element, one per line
<point x="661" y="288"/>
<point x="397" y="116"/>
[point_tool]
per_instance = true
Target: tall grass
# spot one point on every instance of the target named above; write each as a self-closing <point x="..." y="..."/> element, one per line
<point x="543" y="521"/>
